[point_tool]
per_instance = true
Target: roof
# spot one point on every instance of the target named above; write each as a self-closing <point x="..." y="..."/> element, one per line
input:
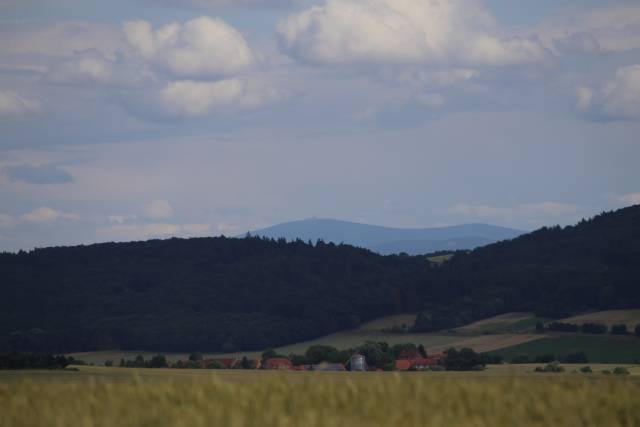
<point x="277" y="362"/>
<point x="405" y="364"/>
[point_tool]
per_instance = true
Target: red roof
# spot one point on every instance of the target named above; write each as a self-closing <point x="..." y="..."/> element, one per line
<point x="404" y="364"/>
<point x="278" y="363"/>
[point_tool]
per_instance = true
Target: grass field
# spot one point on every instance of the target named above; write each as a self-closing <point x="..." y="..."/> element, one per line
<point x="504" y="323"/>
<point x="609" y="317"/>
<point x="598" y="348"/>
<point x="499" y="396"/>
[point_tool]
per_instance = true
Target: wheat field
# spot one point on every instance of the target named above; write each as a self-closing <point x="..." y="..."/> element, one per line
<point x="315" y="399"/>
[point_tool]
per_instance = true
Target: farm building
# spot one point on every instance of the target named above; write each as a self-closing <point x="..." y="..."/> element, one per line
<point x="357" y="362"/>
<point x="415" y="362"/>
<point x="277" y="363"/>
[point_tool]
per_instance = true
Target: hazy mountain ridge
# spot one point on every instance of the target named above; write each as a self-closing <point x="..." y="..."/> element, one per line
<point x="389" y="240"/>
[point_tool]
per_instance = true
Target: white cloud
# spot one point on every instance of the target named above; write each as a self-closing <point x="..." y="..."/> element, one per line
<point x="158" y="209"/>
<point x="201" y="48"/>
<point x="121" y="219"/>
<point x="441" y="32"/>
<point x="197" y="98"/>
<point x="14" y="104"/>
<point x="84" y="67"/>
<point x="619" y="98"/>
<point x="630" y="199"/>
<point x="47" y="215"/>
<point x="193" y="98"/>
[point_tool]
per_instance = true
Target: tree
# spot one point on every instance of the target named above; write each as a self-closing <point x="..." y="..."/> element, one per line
<point x="268" y="354"/>
<point x="638" y="330"/>
<point x="620" y="329"/>
<point x="422" y="351"/>
<point x="139" y="361"/>
<point x="464" y="360"/>
<point x="245" y="363"/>
<point x="122" y="363"/>
<point x="322" y="353"/>
<point x="539" y="327"/>
<point x="195" y="356"/>
<point x="158" y="361"/>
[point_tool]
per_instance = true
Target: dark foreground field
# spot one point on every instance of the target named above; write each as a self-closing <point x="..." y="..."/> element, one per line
<point x="500" y="396"/>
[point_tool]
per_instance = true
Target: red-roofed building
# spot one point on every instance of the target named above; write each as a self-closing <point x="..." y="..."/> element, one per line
<point x="418" y="364"/>
<point x="277" y="363"/>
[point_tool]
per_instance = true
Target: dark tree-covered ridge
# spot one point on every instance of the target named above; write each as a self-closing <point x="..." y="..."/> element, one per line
<point x="554" y="271"/>
<point x="219" y="294"/>
<point x="206" y="293"/>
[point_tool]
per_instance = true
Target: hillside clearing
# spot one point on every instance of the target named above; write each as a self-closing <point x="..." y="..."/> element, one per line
<point x="597" y="348"/>
<point x="501" y="323"/>
<point x="609" y="317"/>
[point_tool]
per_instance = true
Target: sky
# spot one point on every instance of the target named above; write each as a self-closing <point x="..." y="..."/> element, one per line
<point x="137" y="119"/>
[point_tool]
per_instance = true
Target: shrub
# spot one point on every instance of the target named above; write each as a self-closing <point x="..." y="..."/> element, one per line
<point x="638" y="330"/>
<point x="586" y="370"/>
<point x="620" y="329"/>
<point x="606" y="372"/>
<point x="108" y="363"/>
<point x="436" y="368"/>
<point x="619" y="370"/>
<point x="214" y="365"/>
<point x="553" y="367"/>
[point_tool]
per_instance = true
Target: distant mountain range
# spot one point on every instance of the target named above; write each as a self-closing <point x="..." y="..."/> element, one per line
<point x="388" y="240"/>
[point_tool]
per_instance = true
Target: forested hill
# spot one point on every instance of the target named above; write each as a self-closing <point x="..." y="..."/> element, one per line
<point x="554" y="271"/>
<point x="218" y="294"/>
<point x="208" y="293"/>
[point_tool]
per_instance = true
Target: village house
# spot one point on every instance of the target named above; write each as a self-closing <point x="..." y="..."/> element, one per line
<point x="277" y="363"/>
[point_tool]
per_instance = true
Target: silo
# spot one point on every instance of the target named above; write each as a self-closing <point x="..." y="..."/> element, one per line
<point x="357" y="363"/>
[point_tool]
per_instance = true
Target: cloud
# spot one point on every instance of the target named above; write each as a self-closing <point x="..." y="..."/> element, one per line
<point x="224" y="3"/>
<point x="14" y="104"/>
<point x="533" y="213"/>
<point x="630" y="199"/>
<point x="189" y="98"/>
<point x="42" y="174"/>
<point x="440" y="32"/>
<point x="158" y="209"/>
<point x="84" y="67"/>
<point x="619" y="98"/>
<point x="201" y="48"/>
<point x="154" y="230"/>
<point x="47" y="215"/>
<point x="611" y="28"/>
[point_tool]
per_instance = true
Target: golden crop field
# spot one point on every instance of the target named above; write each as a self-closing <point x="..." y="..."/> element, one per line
<point x="162" y="397"/>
